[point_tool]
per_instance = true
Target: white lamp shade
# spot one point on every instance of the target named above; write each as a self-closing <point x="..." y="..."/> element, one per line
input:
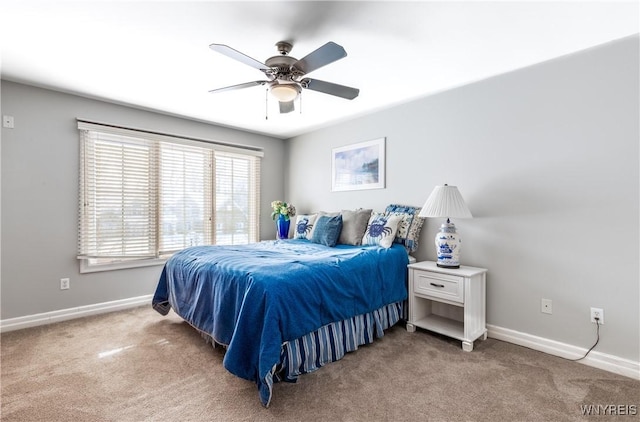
<point x="445" y="201"/>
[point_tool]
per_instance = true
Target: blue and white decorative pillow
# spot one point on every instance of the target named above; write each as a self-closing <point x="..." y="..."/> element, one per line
<point x="304" y="225"/>
<point x="410" y="226"/>
<point x="381" y="230"/>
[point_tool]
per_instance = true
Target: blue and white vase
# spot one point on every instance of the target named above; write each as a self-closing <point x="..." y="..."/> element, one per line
<point x="282" y="227"/>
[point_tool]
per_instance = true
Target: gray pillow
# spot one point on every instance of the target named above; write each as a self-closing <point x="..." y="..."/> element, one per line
<point x="354" y="224"/>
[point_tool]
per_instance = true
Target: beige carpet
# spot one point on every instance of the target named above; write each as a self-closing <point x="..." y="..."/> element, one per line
<point x="136" y="365"/>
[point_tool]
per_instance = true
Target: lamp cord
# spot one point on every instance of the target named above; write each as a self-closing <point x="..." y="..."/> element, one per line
<point x="596" y="343"/>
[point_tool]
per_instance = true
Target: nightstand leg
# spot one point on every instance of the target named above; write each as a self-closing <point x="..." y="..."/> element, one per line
<point x="484" y="336"/>
<point x="411" y="328"/>
<point x="467" y="346"/>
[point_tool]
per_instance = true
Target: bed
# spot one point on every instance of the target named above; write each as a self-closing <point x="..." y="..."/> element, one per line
<point x="282" y="308"/>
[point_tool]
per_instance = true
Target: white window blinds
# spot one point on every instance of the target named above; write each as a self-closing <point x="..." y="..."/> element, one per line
<point x="146" y="195"/>
<point x="237" y="193"/>
<point x="185" y="204"/>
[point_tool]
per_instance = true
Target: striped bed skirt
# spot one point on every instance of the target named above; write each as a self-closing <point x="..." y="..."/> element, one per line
<point x="329" y="343"/>
<point x="332" y="341"/>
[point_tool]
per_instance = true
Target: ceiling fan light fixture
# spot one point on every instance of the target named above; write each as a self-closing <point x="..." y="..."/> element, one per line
<point x="285" y="92"/>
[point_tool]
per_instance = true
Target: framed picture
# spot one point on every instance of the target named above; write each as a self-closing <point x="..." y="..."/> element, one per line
<point x="358" y="166"/>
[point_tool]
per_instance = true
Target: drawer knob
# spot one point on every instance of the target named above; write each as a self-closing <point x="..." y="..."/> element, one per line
<point x="437" y="285"/>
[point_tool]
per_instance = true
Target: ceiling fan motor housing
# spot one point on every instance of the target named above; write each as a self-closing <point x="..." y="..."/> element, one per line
<point x="280" y="67"/>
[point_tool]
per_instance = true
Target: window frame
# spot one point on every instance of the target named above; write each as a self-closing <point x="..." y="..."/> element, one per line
<point x="253" y="154"/>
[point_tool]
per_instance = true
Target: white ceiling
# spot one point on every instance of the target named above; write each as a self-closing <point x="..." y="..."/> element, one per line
<point x="155" y="55"/>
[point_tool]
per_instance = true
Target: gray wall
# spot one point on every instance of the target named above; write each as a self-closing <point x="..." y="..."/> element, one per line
<point x="547" y="159"/>
<point x="40" y="197"/>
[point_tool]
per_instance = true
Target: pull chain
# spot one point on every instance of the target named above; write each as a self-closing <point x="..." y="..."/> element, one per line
<point x="266" y="104"/>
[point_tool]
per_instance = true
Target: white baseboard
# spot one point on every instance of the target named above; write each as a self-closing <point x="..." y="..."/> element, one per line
<point x="595" y="359"/>
<point x="12" y="324"/>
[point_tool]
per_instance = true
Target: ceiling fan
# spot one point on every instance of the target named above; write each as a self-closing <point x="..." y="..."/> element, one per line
<point x="286" y="75"/>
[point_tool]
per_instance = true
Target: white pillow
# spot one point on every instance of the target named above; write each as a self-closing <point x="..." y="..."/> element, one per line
<point x="381" y="230"/>
<point x="304" y="225"/>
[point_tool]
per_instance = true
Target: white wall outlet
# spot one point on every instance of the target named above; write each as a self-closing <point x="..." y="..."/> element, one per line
<point x="546" y="306"/>
<point x="597" y="313"/>
<point x="64" y="283"/>
<point x="7" y="121"/>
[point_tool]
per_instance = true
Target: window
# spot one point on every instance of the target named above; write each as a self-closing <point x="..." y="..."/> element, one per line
<point x="144" y="196"/>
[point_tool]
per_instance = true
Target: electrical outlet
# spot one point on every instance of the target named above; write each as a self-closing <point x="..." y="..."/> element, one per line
<point x="546" y="306"/>
<point x="64" y="283"/>
<point x="7" y="121"/>
<point x="597" y="313"/>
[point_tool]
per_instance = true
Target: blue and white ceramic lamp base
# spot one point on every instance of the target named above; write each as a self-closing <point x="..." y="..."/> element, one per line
<point x="448" y="245"/>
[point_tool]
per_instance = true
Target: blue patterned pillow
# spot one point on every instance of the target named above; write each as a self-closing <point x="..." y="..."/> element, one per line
<point x="304" y="225"/>
<point x="320" y="214"/>
<point x="409" y="227"/>
<point x="327" y="230"/>
<point x="381" y="230"/>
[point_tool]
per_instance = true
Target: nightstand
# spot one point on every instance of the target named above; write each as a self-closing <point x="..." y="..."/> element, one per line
<point x="447" y="301"/>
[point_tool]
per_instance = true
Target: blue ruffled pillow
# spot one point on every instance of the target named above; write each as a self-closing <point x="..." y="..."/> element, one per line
<point x="327" y="230"/>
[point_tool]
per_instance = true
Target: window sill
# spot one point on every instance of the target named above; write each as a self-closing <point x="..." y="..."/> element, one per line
<point x="85" y="267"/>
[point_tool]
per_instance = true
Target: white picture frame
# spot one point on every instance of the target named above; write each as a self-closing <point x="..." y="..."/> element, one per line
<point x="358" y="166"/>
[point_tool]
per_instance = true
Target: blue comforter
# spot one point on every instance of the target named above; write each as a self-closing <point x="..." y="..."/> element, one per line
<point x="253" y="298"/>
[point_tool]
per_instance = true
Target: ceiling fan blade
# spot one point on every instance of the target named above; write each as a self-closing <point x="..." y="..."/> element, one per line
<point x="236" y="55"/>
<point x="328" y="53"/>
<point x="286" y="107"/>
<point x="239" y="86"/>
<point x="330" y="88"/>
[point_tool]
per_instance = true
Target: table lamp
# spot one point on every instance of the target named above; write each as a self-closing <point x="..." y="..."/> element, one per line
<point x="446" y="201"/>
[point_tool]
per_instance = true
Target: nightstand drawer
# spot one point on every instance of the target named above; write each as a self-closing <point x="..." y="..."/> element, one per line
<point x="439" y="285"/>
